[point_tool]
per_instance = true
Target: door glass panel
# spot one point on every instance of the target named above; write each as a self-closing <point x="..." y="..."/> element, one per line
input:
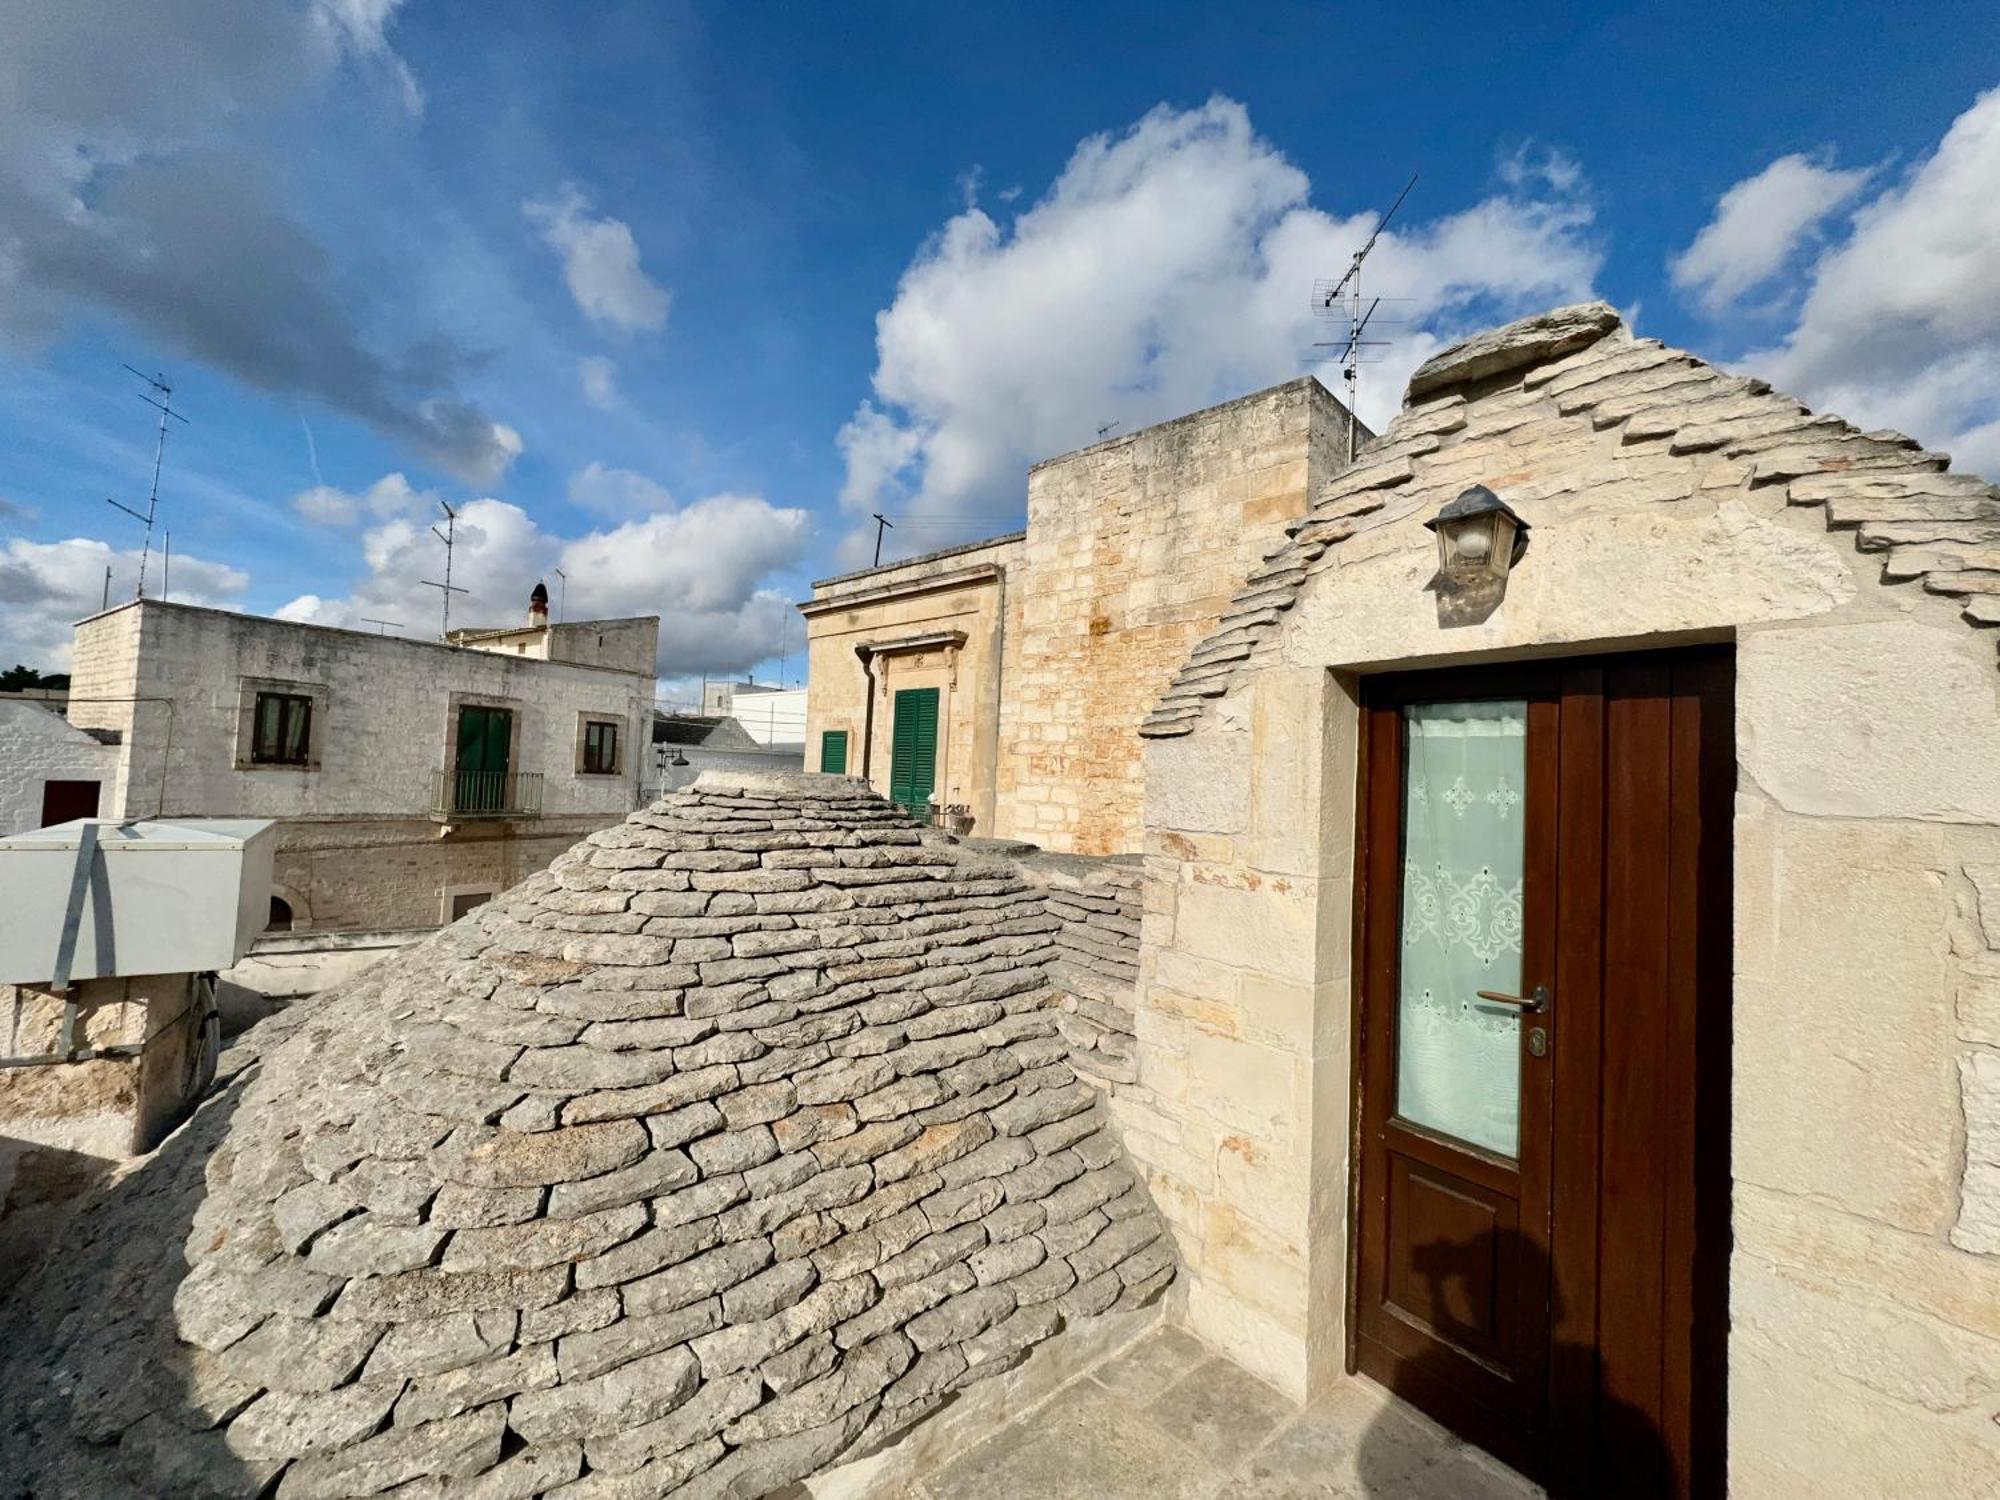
<point x="1458" y="1059"/>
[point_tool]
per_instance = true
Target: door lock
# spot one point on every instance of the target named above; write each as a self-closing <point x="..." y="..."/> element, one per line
<point x="1538" y="1042"/>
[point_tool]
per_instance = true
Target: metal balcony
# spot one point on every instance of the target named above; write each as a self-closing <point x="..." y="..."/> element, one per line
<point x="486" y="794"/>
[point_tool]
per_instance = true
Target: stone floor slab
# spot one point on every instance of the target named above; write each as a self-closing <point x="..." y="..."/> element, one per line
<point x="1084" y="1442"/>
<point x="1155" y="1362"/>
<point x="1167" y="1420"/>
<point x="1219" y="1410"/>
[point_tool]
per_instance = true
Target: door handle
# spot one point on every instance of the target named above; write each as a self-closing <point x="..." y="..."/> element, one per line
<point x="1525" y="1004"/>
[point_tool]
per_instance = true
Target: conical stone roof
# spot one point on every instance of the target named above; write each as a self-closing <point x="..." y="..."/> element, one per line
<point x="731" y="1145"/>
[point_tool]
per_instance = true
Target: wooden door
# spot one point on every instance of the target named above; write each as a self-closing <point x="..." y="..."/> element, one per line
<point x="913" y="749"/>
<point x="485" y="737"/>
<point x="1542" y="1014"/>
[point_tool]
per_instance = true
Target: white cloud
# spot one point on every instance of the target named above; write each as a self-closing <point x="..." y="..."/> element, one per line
<point x="1169" y="266"/>
<point x="598" y="376"/>
<point x="360" y="29"/>
<point x="1532" y="165"/>
<point x="617" y="492"/>
<point x="128" y="133"/>
<point x="391" y="495"/>
<point x="1758" y="226"/>
<point x="46" y="587"/>
<point x="704" y="568"/>
<point x="600" y="263"/>
<point x="1900" y="322"/>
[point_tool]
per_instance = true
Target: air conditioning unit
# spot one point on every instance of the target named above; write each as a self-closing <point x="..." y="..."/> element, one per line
<point x="144" y="897"/>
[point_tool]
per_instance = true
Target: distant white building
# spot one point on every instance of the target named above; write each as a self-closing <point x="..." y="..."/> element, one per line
<point x="770" y="715"/>
<point x="411" y="780"/>
<point x="51" y="771"/>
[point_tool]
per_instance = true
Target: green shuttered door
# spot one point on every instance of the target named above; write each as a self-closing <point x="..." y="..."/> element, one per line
<point x="833" y="752"/>
<point x="913" y="748"/>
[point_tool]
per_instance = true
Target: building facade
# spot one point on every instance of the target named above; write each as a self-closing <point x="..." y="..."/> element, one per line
<point x="1013" y="673"/>
<point x="410" y="779"/>
<point x="1579" y="1014"/>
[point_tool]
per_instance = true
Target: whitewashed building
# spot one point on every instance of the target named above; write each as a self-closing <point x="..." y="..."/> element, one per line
<point x="410" y="779"/>
<point x="50" y="770"/>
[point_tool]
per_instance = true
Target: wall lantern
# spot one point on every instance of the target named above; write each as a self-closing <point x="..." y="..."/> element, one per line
<point x="1479" y="539"/>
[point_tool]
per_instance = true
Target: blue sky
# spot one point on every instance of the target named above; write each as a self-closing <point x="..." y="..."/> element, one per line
<point x="673" y="296"/>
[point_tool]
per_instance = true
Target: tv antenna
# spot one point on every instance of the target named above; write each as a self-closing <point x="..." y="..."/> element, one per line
<point x="882" y="524"/>
<point x="161" y="400"/>
<point x="562" y="595"/>
<point x="1343" y="299"/>
<point x="1104" y="430"/>
<point x="384" y="626"/>
<point x="446" y="589"/>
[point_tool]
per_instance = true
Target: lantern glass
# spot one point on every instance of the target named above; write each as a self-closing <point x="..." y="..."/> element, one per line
<point x="1476" y="547"/>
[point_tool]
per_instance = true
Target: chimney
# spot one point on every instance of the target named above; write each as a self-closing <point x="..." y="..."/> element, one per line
<point x="538" y="606"/>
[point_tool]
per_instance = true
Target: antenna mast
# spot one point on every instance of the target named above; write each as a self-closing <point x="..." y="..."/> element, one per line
<point x="1343" y="299"/>
<point x="562" y="595"/>
<point x="161" y="400"/>
<point x="445" y="590"/>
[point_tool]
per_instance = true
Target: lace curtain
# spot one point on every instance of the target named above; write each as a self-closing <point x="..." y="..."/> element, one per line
<point x="1458" y="1066"/>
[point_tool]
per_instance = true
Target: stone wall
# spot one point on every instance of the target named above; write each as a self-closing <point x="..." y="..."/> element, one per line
<point x="1670" y="502"/>
<point x="1094" y="959"/>
<point x="725" y="1150"/>
<point x="1134" y="547"/>
<point x="36" y="746"/>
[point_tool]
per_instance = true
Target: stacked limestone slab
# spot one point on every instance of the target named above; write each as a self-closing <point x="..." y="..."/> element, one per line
<point x="732" y="1145"/>
<point x="1565" y="377"/>
<point x="1094" y="962"/>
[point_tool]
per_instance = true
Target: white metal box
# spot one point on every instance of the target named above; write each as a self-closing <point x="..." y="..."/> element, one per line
<point x="159" y="898"/>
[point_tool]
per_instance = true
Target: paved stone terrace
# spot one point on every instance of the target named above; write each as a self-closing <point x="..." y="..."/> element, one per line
<point x="1168" y="1420"/>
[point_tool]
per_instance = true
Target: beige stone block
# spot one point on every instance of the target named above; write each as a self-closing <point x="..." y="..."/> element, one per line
<point x="1254" y="1263"/>
<point x="1843" y="1025"/>
<point x="1273" y="926"/>
<point x="1978" y="1226"/>
<point x="1268" y="1186"/>
<point x="1796" y="1429"/>
<point x="1199" y="783"/>
<point x="1269" y="1348"/>
<point x="1877" y="719"/>
<point x="1864" y="1260"/>
<point x="1256" y="1090"/>
<point x="1905" y="1355"/>
<point x="1979" y="1008"/>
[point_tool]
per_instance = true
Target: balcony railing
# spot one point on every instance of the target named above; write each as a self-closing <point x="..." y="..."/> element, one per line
<point x="486" y="794"/>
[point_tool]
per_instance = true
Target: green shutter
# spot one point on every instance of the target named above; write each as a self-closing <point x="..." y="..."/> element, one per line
<point x="833" y="752"/>
<point x="913" y="749"/>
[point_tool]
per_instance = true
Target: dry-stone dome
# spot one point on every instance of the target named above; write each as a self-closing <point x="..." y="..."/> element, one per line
<point x="728" y="1147"/>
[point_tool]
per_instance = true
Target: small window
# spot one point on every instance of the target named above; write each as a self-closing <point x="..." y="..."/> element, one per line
<point x="600" y="748"/>
<point x="833" y="752"/>
<point x="463" y="902"/>
<point x="281" y="734"/>
<point x="281" y="915"/>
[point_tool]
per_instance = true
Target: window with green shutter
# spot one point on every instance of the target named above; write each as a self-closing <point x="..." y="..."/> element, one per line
<point x="913" y="749"/>
<point x="833" y="752"/>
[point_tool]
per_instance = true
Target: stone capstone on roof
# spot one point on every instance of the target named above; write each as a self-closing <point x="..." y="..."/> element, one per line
<point x="1566" y="376"/>
<point x="734" y="1143"/>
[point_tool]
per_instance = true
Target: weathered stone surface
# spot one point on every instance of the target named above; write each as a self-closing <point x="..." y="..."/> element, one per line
<point x="554" y="1204"/>
<point x="639" y="1391"/>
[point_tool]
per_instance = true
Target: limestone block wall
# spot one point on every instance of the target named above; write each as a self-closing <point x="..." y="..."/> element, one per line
<point x="731" y="1146"/>
<point x="1134" y="548"/>
<point x="1094" y="958"/>
<point x="1669" y="502"/>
